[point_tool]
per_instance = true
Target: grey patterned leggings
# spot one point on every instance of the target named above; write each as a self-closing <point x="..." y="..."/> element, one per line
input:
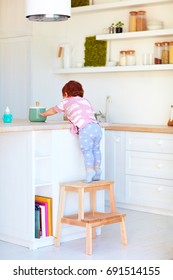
<point x="89" y="141"/>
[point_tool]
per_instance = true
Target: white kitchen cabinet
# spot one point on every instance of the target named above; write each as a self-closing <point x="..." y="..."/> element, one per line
<point x="12" y="19"/>
<point x="15" y="58"/>
<point x="15" y="75"/>
<point x="35" y="163"/>
<point x="147" y="170"/>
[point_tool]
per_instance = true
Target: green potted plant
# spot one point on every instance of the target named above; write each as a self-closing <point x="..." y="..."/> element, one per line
<point x="119" y="27"/>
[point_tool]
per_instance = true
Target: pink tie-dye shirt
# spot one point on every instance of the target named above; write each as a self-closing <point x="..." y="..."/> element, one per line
<point x="78" y="111"/>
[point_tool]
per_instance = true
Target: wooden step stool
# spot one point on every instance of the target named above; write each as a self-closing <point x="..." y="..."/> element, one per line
<point x="89" y="220"/>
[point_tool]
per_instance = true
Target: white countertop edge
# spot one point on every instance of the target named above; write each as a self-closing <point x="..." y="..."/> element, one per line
<point x="23" y="125"/>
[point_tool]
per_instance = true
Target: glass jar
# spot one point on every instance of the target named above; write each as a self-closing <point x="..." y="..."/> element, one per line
<point x="141" y="21"/>
<point x="165" y="52"/>
<point x="131" y="58"/>
<point x="158" y="53"/>
<point x="132" y="21"/>
<point x="123" y="58"/>
<point x="171" y="52"/>
<point x="170" y="121"/>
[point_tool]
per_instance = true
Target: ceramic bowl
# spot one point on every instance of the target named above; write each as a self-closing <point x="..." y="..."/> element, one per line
<point x="154" y="25"/>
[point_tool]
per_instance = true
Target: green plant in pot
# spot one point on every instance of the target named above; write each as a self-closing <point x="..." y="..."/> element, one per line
<point x="119" y="27"/>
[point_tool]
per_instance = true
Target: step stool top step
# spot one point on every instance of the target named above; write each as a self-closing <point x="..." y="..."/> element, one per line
<point x="83" y="184"/>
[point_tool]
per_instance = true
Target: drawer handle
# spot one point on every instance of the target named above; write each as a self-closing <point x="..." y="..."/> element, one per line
<point x="117" y="139"/>
<point x="160" y="165"/>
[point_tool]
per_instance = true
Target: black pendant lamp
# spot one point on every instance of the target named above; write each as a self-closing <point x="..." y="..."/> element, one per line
<point x="48" y="10"/>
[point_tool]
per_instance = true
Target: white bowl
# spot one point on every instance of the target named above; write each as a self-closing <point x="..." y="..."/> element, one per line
<point x="154" y="25"/>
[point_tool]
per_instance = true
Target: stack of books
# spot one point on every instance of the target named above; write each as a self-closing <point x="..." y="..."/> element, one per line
<point x="43" y="216"/>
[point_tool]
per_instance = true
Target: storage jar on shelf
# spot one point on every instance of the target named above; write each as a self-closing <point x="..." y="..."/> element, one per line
<point x="171" y="52"/>
<point x="131" y="58"/>
<point x="165" y="52"/>
<point x="158" y="53"/>
<point x="132" y="21"/>
<point x="123" y="58"/>
<point x="141" y="24"/>
<point x="170" y="121"/>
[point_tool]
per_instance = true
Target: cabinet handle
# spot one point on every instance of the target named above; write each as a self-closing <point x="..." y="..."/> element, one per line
<point x="160" y="142"/>
<point x="160" y="165"/>
<point x="117" y="139"/>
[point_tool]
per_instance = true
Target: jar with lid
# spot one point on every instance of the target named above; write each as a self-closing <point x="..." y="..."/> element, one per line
<point x="165" y="52"/>
<point x="131" y="58"/>
<point x="141" y="24"/>
<point x="132" y="21"/>
<point x="170" y="121"/>
<point x="158" y="53"/>
<point x="123" y="58"/>
<point x="171" y="52"/>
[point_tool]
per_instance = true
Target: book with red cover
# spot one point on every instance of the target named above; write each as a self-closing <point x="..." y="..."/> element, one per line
<point x="48" y="200"/>
<point x="46" y="215"/>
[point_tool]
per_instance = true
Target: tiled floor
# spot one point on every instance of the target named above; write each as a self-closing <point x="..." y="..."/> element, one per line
<point x="150" y="237"/>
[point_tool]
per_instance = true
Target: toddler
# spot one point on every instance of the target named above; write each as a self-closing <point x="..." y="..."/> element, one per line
<point x="80" y="113"/>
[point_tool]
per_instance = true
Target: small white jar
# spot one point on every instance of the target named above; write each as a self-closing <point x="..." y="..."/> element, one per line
<point x="131" y="58"/>
<point x="123" y="58"/>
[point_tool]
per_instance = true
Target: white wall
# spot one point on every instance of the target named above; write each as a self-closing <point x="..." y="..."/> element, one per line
<point x="143" y="97"/>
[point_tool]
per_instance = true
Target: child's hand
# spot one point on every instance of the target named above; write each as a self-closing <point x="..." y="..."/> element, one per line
<point x="42" y="114"/>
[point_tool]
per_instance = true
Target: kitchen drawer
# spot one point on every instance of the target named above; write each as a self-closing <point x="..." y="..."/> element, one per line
<point x="149" y="192"/>
<point x="149" y="142"/>
<point x="149" y="164"/>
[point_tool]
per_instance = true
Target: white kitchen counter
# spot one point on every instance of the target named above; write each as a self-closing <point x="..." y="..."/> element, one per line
<point x="140" y="128"/>
<point x="22" y="125"/>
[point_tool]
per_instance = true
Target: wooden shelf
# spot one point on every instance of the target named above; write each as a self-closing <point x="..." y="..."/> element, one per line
<point x="117" y="5"/>
<point x="136" y="35"/>
<point x="104" y="69"/>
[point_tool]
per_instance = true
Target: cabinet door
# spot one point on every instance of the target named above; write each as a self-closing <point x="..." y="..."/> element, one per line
<point x="16" y="192"/>
<point x="12" y="19"/>
<point x="15" y="85"/>
<point x="114" y="162"/>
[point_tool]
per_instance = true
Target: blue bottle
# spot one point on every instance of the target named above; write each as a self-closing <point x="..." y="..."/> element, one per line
<point x="7" y="117"/>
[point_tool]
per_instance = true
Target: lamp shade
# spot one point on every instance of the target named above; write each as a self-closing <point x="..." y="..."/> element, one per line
<point x="48" y="10"/>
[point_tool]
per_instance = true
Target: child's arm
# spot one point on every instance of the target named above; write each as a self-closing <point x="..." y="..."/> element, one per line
<point x="49" y="112"/>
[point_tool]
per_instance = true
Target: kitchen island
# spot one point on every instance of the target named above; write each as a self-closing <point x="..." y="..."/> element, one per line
<point x="34" y="159"/>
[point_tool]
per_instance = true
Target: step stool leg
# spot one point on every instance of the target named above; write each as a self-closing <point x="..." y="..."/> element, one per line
<point x="112" y="199"/>
<point x="88" y="239"/>
<point x="123" y="232"/>
<point x="93" y="209"/>
<point x="81" y="204"/>
<point x="60" y="215"/>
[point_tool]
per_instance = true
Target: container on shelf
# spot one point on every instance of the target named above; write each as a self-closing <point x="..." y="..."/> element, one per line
<point x="141" y="24"/>
<point x="165" y="52"/>
<point x="131" y="57"/>
<point x="123" y="58"/>
<point x="132" y="21"/>
<point x="171" y="52"/>
<point x="158" y="53"/>
<point x="170" y="121"/>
